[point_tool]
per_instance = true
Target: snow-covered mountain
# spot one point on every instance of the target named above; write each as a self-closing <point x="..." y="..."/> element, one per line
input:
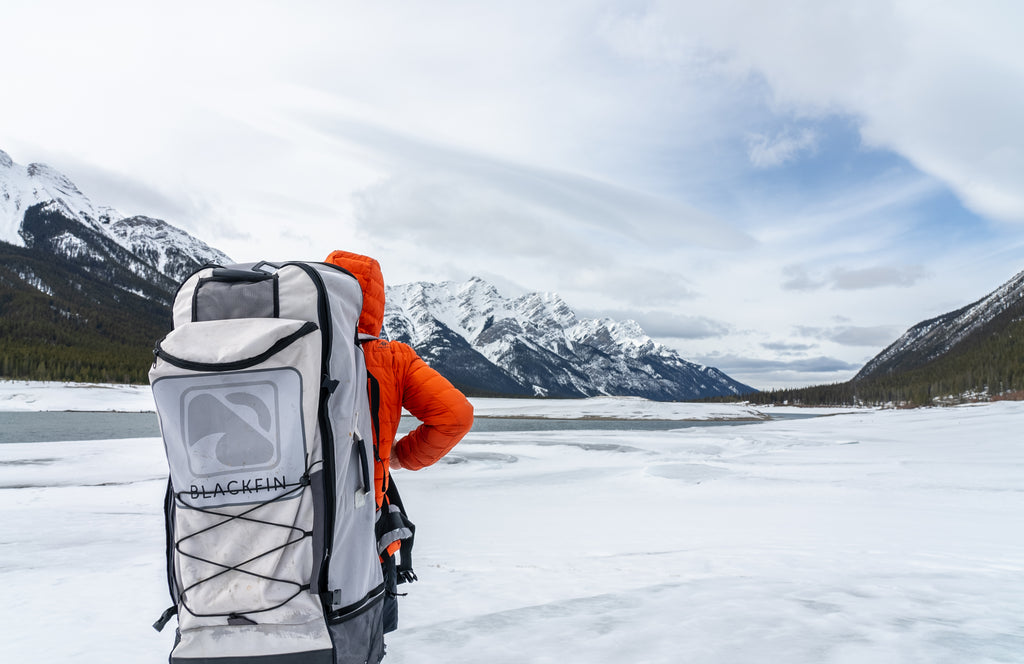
<point x="535" y="345"/>
<point x="89" y="262"/>
<point x="40" y="208"/>
<point x="84" y="290"/>
<point x="934" y="338"/>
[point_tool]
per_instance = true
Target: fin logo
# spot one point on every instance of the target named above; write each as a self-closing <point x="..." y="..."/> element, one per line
<point x="231" y="428"/>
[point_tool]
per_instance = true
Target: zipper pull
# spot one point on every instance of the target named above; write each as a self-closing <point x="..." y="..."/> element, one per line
<point x="165" y="618"/>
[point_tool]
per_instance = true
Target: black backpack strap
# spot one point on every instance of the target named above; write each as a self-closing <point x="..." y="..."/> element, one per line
<point x="393" y="522"/>
<point x="405" y="572"/>
<point x="393" y="525"/>
<point x="373" y="386"/>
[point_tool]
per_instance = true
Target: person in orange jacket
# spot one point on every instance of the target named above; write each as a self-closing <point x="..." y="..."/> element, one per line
<point x="403" y="380"/>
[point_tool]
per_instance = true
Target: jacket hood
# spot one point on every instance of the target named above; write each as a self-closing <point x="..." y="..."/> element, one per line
<point x="371" y="280"/>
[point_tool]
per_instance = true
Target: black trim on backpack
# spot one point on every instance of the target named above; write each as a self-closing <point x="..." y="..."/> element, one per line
<point x="405" y="571"/>
<point x="326" y="431"/>
<point x="373" y="386"/>
<point x="258" y="267"/>
<point x="204" y="266"/>
<point x="172" y="583"/>
<point x="364" y="464"/>
<point x="356" y="608"/>
<point x="309" y="657"/>
<point x="238" y="365"/>
<point x="340" y="269"/>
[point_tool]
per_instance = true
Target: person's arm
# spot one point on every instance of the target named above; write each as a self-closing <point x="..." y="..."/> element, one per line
<point x="445" y="413"/>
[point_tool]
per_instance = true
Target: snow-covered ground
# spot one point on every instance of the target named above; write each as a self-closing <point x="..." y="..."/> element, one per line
<point x="31" y="396"/>
<point x="869" y="536"/>
<point x="623" y="408"/>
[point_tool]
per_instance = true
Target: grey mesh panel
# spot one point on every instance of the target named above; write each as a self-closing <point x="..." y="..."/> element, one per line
<point x="217" y="298"/>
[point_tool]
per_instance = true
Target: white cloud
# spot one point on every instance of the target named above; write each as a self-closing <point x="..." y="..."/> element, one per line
<point x="767" y="151"/>
<point x="799" y="278"/>
<point x="940" y="83"/>
<point x="668" y="325"/>
<point x="876" y="277"/>
<point x="852" y="335"/>
<point x="753" y="365"/>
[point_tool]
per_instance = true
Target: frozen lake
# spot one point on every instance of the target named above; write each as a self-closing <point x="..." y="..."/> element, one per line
<point x="36" y="427"/>
<point x="871" y="536"/>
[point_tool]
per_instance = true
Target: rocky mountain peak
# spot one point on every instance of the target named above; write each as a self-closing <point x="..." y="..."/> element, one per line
<point x="536" y="345"/>
<point x="42" y="209"/>
<point x="54" y="177"/>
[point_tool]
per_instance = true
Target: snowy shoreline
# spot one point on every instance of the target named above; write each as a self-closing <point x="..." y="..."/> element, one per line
<point x="35" y="396"/>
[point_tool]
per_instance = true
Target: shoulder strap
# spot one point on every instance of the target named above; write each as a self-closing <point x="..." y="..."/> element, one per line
<point x="373" y="386"/>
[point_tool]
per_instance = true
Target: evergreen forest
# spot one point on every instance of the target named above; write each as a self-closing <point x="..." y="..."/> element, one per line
<point x="988" y="365"/>
<point x="64" y="321"/>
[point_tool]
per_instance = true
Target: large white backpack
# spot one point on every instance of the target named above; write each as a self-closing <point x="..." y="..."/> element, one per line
<point x="261" y="392"/>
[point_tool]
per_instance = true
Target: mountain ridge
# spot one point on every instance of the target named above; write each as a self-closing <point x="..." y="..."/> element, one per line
<point x="40" y="194"/>
<point x="73" y="270"/>
<point x="536" y="345"/>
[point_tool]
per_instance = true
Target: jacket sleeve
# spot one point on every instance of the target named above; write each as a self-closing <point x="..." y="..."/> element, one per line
<point x="445" y="413"/>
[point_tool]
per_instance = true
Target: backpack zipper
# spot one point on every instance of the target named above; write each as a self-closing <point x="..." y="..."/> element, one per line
<point x="237" y="365"/>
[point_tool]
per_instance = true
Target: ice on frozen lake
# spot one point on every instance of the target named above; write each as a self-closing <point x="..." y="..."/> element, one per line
<point x="772" y="541"/>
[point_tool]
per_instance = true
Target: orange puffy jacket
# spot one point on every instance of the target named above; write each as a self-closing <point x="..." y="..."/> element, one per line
<point x="406" y="381"/>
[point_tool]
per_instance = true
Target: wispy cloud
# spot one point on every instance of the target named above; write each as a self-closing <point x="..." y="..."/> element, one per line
<point x="796" y="277"/>
<point x="799" y="278"/>
<point x="668" y="325"/>
<point x="853" y="335"/>
<point x="756" y="365"/>
<point x="950" y="103"/>
<point x="787" y="347"/>
<point x="876" y="277"/>
<point x="768" y="151"/>
<point x="450" y="177"/>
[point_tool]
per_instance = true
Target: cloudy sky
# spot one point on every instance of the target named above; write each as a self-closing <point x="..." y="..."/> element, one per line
<point x="776" y="189"/>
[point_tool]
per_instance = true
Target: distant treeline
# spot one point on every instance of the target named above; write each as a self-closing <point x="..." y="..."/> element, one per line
<point x="987" y="365"/>
<point x="77" y="328"/>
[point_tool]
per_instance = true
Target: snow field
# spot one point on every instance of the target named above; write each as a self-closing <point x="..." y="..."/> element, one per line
<point x="873" y="536"/>
<point x="885" y="536"/>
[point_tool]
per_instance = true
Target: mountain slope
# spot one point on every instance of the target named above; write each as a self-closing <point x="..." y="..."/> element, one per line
<point x="41" y="208"/>
<point x="974" y="352"/>
<point x="84" y="291"/>
<point x="942" y="335"/>
<point x="535" y="345"/>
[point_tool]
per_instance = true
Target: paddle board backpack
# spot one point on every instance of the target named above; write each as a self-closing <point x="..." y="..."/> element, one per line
<point x="261" y="392"/>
